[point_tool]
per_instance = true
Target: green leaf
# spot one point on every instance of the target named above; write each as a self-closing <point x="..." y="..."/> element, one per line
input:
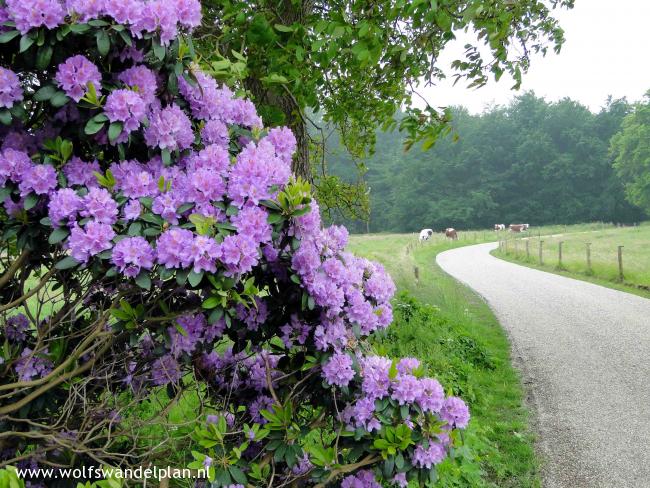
<point x="79" y="28"/>
<point x="43" y="57"/>
<point x="103" y="42"/>
<point x="59" y="99"/>
<point x="159" y="50"/>
<point x="58" y="235"/>
<point x="195" y="278"/>
<point x="45" y="93"/>
<point x="283" y="28"/>
<point x="30" y="201"/>
<point x="5" y="116"/>
<point x="114" y="131"/>
<point x="8" y="36"/>
<point x="26" y="42"/>
<point x="238" y="475"/>
<point x="143" y="280"/>
<point x="211" y="302"/>
<point x="67" y="263"/>
<point x="93" y="126"/>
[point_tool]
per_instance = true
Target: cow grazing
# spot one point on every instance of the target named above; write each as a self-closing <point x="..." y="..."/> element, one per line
<point x="425" y="234"/>
<point x="517" y="227"/>
<point x="498" y="227"/>
<point x="526" y="226"/>
<point x="451" y="233"/>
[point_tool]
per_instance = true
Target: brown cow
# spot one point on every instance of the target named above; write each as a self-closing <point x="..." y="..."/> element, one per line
<point x="451" y="233"/>
<point x="517" y="227"/>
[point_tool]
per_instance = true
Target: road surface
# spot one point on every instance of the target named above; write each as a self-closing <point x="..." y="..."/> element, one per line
<point x="584" y="354"/>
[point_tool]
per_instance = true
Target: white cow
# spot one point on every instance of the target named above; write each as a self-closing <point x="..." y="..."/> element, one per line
<point x="425" y="234"/>
<point x="498" y="227"/>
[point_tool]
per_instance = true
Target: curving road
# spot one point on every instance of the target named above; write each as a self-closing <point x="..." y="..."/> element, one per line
<point x="584" y="354"/>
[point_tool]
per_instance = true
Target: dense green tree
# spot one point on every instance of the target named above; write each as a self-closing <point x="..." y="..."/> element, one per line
<point x="531" y="161"/>
<point x="631" y="150"/>
<point x="356" y="62"/>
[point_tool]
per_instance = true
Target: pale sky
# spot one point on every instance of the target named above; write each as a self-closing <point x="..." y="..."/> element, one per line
<point x="607" y="52"/>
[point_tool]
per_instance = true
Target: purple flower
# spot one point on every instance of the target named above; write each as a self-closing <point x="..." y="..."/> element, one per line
<point x="215" y="132"/>
<point x="124" y="11"/>
<point x="455" y="412"/>
<point x="262" y="402"/>
<point x="132" y="210"/>
<point x="189" y="13"/>
<point x="431" y="395"/>
<point x="132" y="254"/>
<point x="253" y="222"/>
<point x="85" y="9"/>
<point x="39" y="178"/>
<point x="16" y="328"/>
<point x="204" y="252"/>
<point x="64" y="205"/>
<point x="169" y="129"/>
<point x="33" y="365"/>
<point x="79" y="172"/>
<point x="407" y="365"/>
<point x="253" y="316"/>
<point x="28" y="14"/>
<point x="172" y="248"/>
<point x="143" y="80"/>
<point x="186" y="341"/>
<point x="400" y="480"/>
<point x="362" y="479"/>
<point x="99" y="205"/>
<point x="375" y="372"/>
<point x="284" y="143"/>
<point x="166" y="205"/>
<point x="89" y="241"/>
<point x="205" y="99"/>
<point x="74" y="75"/>
<point x="338" y="370"/>
<point x="14" y="164"/>
<point x="158" y="16"/>
<point x="427" y="457"/>
<point x="125" y="106"/>
<point x="165" y="370"/>
<point x="10" y="90"/>
<point x="239" y="254"/>
<point x="206" y="185"/>
<point x="406" y="389"/>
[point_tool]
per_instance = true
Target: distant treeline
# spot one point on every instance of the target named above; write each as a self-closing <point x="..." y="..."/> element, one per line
<point x="531" y="161"/>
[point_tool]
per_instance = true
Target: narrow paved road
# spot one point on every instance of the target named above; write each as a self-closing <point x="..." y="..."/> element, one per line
<point x="584" y="353"/>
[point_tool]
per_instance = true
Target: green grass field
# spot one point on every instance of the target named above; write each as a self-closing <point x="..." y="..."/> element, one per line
<point x="603" y="245"/>
<point x="454" y="333"/>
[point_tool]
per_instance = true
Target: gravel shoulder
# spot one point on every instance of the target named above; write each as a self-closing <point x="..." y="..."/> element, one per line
<point x="584" y="354"/>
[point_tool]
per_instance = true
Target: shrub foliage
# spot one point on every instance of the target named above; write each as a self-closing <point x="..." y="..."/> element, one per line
<point x="153" y="240"/>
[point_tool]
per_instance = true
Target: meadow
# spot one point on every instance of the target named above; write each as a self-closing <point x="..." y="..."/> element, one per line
<point x="454" y="333"/>
<point x="603" y="248"/>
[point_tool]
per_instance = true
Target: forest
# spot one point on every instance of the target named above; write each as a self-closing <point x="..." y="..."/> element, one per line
<point x="530" y="161"/>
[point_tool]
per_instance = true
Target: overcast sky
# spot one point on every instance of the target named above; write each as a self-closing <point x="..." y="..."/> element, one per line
<point x="606" y="53"/>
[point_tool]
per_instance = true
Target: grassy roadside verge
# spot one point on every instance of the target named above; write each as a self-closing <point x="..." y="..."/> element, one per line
<point x="451" y="330"/>
<point x="603" y="245"/>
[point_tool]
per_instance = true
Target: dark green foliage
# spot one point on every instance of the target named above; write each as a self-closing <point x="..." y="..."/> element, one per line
<point x="531" y="161"/>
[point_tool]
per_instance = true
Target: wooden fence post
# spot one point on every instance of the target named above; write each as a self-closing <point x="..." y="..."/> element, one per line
<point x="541" y="245"/>
<point x="516" y="248"/>
<point x="559" y="255"/>
<point x="620" y="263"/>
<point x="589" y="270"/>
<point x="416" y="271"/>
<point x="527" y="248"/>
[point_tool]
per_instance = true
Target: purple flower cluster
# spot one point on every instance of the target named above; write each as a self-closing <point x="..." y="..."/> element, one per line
<point x="64" y="206"/>
<point x="29" y="14"/>
<point x="164" y="370"/>
<point x="133" y="254"/>
<point x="143" y="80"/>
<point x="361" y="479"/>
<point x="125" y="106"/>
<point x="75" y="73"/>
<point x="455" y="412"/>
<point x="162" y="16"/>
<point x="426" y="457"/>
<point x="89" y="241"/>
<point x="81" y="173"/>
<point x="169" y="128"/>
<point x="338" y="370"/>
<point x="10" y="90"/>
<point x="33" y="364"/>
<point x="16" y="328"/>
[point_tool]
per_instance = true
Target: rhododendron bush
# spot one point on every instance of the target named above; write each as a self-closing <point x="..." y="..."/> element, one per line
<point x="154" y="240"/>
